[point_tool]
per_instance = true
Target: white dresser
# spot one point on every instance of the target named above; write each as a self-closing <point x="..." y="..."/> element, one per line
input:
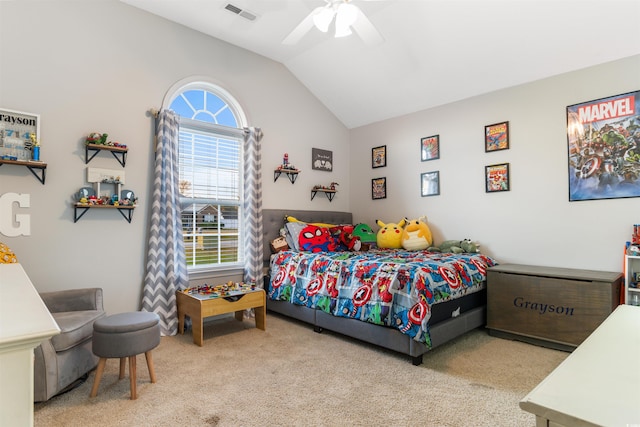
<point x="24" y="323"/>
<point x="599" y="383"/>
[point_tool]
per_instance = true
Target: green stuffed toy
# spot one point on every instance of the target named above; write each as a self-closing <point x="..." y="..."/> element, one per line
<point x="456" y="247"/>
<point x="366" y="235"/>
<point x="364" y="232"/>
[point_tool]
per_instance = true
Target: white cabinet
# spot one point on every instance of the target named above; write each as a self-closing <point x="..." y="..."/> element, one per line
<point x="597" y="385"/>
<point x="632" y="279"/>
<point x="25" y="322"/>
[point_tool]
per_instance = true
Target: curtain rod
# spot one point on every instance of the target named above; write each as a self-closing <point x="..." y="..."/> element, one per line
<point x="226" y="130"/>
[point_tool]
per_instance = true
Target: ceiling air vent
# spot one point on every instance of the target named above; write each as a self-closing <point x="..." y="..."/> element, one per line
<point x="244" y="13"/>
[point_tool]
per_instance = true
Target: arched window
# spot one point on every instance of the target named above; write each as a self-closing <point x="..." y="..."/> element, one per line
<point x="210" y="155"/>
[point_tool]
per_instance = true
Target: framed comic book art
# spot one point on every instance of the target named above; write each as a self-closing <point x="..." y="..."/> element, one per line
<point x="497" y="178"/>
<point x="430" y="183"/>
<point x="603" y="138"/>
<point x="430" y="148"/>
<point x="379" y="156"/>
<point x="379" y="188"/>
<point x="496" y="137"/>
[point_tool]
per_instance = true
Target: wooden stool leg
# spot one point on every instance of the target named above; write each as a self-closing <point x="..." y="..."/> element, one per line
<point x="98" y="377"/>
<point x="152" y="372"/>
<point x="132" y="376"/>
<point x="123" y="362"/>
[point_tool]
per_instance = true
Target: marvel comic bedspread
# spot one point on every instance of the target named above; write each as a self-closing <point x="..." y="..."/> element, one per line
<point x="395" y="288"/>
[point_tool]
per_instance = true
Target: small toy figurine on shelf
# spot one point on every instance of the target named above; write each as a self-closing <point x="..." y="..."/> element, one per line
<point x="116" y="144"/>
<point x="35" y="147"/>
<point x="127" y="202"/>
<point x="286" y="166"/>
<point x="97" y="138"/>
<point x="331" y="187"/>
<point x="633" y="247"/>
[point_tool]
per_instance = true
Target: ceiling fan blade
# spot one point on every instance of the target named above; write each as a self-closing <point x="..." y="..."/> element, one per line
<point x="366" y="30"/>
<point x="302" y="28"/>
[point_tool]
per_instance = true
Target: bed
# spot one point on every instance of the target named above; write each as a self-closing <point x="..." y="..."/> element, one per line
<point x="408" y="302"/>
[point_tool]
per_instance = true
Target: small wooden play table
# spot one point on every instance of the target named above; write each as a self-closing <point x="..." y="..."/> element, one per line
<point x="198" y="305"/>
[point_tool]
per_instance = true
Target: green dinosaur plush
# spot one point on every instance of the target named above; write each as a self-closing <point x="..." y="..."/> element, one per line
<point x="470" y="247"/>
<point x="456" y="247"/>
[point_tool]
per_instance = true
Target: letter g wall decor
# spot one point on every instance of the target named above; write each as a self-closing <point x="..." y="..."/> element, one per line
<point x="14" y="225"/>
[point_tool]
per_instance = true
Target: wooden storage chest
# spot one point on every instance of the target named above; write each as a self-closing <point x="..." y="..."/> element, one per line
<point x="553" y="307"/>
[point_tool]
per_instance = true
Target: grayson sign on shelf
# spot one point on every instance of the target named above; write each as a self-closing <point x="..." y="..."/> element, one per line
<point x="18" y="133"/>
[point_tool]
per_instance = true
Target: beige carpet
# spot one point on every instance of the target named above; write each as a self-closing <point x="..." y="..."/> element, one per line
<point x="292" y="376"/>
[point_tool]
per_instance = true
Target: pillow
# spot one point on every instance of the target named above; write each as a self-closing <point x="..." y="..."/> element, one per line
<point x="364" y="232"/>
<point x="319" y="224"/>
<point x="345" y="239"/>
<point x="292" y="234"/>
<point x="316" y="239"/>
<point x="6" y="255"/>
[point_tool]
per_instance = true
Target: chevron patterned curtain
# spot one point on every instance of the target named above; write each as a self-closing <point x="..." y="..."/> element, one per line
<point x="252" y="206"/>
<point x="166" y="263"/>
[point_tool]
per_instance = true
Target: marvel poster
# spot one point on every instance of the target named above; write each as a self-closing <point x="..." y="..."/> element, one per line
<point x="604" y="148"/>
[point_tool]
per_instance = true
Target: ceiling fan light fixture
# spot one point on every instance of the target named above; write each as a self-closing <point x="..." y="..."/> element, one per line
<point x="322" y="18"/>
<point x="348" y="19"/>
<point x="346" y="15"/>
<point x="342" y="31"/>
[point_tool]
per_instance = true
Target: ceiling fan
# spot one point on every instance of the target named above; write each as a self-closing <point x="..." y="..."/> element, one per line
<point x="347" y="16"/>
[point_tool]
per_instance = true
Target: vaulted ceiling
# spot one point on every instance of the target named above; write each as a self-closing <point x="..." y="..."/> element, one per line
<point x="434" y="51"/>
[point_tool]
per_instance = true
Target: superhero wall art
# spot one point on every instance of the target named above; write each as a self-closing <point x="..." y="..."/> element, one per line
<point x="604" y="148"/>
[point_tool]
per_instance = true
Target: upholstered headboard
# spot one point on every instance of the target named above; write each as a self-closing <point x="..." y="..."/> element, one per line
<point x="273" y="220"/>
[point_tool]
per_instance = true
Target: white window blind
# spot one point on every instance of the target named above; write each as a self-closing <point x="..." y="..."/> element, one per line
<point x="210" y="184"/>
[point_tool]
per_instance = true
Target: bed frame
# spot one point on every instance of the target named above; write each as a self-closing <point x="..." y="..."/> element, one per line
<point x="441" y="332"/>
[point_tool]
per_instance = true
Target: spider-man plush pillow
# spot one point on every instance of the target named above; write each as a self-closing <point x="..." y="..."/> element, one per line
<point x="316" y="239"/>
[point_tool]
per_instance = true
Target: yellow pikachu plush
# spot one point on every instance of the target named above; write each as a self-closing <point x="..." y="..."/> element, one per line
<point x="416" y="235"/>
<point x="6" y="255"/>
<point x="390" y="234"/>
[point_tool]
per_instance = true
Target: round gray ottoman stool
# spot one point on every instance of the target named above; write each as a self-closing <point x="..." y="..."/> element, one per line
<point x="125" y="335"/>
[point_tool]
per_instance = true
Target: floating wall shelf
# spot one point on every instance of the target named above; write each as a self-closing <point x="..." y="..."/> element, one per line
<point x="80" y="209"/>
<point x="96" y="148"/>
<point x="292" y="174"/>
<point x="31" y="165"/>
<point x="329" y="193"/>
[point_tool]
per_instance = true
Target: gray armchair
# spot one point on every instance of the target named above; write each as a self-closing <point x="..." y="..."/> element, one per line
<point x="65" y="358"/>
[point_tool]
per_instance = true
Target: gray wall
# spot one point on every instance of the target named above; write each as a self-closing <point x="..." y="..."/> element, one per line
<point x="534" y="223"/>
<point x="100" y="66"/>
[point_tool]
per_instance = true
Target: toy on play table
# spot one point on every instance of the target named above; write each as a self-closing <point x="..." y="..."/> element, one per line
<point x="225" y="290"/>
